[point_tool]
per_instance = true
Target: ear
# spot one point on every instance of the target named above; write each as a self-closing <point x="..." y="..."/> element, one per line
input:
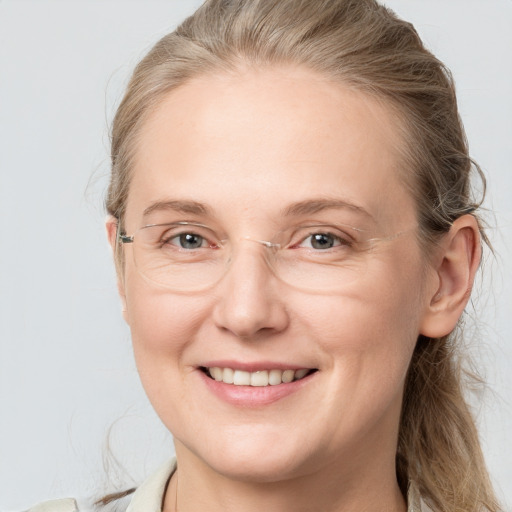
<point x="454" y="269"/>
<point x="111" y="224"/>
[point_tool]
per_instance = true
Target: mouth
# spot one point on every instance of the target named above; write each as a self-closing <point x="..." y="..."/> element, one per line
<point x="260" y="378"/>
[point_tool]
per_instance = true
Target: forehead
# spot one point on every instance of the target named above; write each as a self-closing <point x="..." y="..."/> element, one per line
<point x="261" y="138"/>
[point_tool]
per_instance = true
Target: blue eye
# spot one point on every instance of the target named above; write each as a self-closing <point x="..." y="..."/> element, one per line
<point x="189" y="241"/>
<point x="323" y="241"/>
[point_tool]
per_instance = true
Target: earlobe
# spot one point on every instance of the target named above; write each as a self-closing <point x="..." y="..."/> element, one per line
<point x="455" y="270"/>
<point x="111" y="228"/>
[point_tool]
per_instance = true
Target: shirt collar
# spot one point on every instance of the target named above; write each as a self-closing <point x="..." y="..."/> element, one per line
<point x="150" y="495"/>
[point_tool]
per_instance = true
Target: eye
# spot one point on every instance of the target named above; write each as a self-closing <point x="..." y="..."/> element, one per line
<point x="323" y="241"/>
<point x="188" y="241"/>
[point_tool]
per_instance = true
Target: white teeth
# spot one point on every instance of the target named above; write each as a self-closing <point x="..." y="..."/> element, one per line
<point x="275" y="377"/>
<point x="241" y="378"/>
<point x="301" y="373"/>
<point x="288" y="376"/>
<point x="216" y="373"/>
<point x="228" y="375"/>
<point x="257" y="379"/>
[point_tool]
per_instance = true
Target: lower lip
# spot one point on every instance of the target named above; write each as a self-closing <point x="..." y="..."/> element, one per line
<point x="253" y="396"/>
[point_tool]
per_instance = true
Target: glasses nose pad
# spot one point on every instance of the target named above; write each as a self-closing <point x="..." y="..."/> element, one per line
<point x="265" y="243"/>
<point x="269" y="254"/>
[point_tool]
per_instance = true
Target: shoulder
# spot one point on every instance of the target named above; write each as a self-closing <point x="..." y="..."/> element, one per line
<point x="147" y="498"/>
<point x="62" y="505"/>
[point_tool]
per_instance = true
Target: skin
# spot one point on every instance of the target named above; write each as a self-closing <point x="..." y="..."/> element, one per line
<point x="248" y="145"/>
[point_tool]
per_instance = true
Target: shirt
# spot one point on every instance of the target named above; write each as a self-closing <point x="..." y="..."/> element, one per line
<point x="149" y="496"/>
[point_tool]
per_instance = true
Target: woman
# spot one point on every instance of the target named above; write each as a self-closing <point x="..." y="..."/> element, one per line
<point x="296" y="240"/>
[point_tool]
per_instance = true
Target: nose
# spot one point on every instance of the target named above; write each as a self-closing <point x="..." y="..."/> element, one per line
<point x="249" y="305"/>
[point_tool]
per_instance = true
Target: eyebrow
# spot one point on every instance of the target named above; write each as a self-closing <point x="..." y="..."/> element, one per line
<point x="311" y="206"/>
<point x="306" y="207"/>
<point x="192" y="207"/>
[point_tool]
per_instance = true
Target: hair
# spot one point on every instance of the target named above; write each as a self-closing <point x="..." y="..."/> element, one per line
<point x="363" y="45"/>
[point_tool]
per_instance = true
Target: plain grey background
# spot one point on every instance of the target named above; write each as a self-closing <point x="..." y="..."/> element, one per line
<point x="66" y="369"/>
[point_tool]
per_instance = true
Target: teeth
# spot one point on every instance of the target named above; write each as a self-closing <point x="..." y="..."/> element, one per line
<point x="216" y="373"/>
<point x="257" y="379"/>
<point x="228" y="375"/>
<point x="275" y="377"/>
<point x="301" y="373"/>
<point x="241" y="378"/>
<point x="288" y="376"/>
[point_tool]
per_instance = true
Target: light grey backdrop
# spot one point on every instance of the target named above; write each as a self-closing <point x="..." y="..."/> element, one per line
<point x="66" y="370"/>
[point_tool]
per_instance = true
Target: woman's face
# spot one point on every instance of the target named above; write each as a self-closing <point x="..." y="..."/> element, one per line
<point x="249" y="155"/>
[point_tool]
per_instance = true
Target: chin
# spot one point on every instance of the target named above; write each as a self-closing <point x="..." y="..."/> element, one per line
<point x="254" y="458"/>
<point x="262" y="469"/>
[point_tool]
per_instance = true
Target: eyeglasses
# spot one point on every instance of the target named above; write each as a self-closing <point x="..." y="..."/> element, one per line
<point x="191" y="257"/>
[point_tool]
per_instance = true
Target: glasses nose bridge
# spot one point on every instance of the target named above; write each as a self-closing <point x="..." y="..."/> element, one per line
<point x="269" y="250"/>
<point x="273" y="246"/>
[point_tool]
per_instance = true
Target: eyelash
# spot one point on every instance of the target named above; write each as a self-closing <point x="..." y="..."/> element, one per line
<point x="338" y="240"/>
<point x="167" y="240"/>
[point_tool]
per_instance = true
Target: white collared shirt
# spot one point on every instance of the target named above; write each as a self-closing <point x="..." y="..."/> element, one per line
<point x="149" y="496"/>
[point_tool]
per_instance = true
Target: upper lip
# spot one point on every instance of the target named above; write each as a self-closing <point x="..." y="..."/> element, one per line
<point x="255" y="366"/>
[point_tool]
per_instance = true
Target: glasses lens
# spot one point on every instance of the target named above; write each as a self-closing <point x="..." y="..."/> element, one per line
<point x="323" y="259"/>
<point x="178" y="256"/>
<point x="191" y="257"/>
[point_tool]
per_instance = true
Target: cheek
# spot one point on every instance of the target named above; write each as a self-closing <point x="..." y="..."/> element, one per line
<point x="162" y="325"/>
<point x="369" y="332"/>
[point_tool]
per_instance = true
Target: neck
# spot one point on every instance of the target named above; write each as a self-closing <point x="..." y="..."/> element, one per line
<point x="340" y="487"/>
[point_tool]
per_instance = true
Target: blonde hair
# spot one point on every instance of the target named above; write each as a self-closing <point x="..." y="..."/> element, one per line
<point x="365" y="45"/>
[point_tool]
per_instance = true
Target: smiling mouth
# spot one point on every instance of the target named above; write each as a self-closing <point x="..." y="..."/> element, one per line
<point x="260" y="378"/>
